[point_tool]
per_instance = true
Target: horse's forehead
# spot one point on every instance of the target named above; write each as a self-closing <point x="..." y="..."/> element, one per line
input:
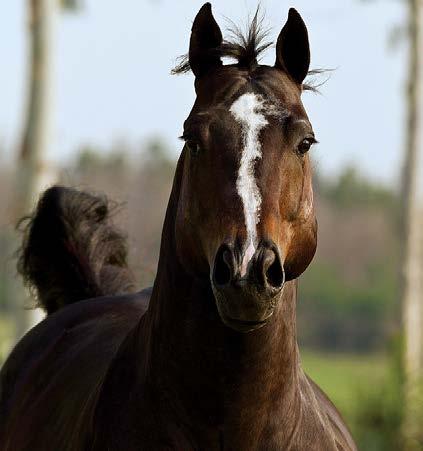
<point x="254" y="109"/>
<point x="254" y="103"/>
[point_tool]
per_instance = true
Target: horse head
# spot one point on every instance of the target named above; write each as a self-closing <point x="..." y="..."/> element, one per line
<point x="245" y="216"/>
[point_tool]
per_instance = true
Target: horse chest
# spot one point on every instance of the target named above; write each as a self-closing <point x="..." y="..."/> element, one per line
<point x="151" y="426"/>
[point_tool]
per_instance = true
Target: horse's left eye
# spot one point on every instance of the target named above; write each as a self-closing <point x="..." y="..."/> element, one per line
<point x="193" y="147"/>
<point x="305" y="145"/>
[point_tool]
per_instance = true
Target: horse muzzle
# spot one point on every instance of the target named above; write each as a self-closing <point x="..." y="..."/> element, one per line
<point x="247" y="292"/>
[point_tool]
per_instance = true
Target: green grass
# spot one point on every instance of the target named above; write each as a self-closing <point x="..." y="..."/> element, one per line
<point x="346" y="379"/>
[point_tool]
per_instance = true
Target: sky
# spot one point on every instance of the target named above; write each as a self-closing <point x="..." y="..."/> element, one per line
<point x="111" y="75"/>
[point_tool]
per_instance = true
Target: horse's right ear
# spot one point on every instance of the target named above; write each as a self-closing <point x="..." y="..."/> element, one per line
<point x="206" y="37"/>
<point x="292" y="48"/>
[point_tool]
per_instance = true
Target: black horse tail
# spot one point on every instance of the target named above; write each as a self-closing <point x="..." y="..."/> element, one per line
<point x="71" y="251"/>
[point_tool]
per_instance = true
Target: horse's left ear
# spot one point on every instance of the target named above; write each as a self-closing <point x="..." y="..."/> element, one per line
<point x="206" y="37"/>
<point x="292" y="48"/>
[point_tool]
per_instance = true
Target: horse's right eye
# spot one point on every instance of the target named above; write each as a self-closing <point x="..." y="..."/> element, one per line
<point x="305" y="145"/>
<point x="193" y="147"/>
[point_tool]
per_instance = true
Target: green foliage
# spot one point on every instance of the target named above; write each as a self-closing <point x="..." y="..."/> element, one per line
<point x="335" y="314"/>
<point x="338" y="311"/>
<point x="70" y="5"/>
<point x="156" y="157"/>
<point x="379" y="414"/>
<point x="350" y="189"/>
<point x="93" y="159"/>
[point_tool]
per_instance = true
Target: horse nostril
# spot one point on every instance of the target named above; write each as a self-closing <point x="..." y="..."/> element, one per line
<point x="274" y="275"/>
<point x="223" y="266"/>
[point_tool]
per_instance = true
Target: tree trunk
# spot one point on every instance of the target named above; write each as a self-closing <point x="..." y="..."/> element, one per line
<point x="33" y="174"/>
<point x="411" y="283"/>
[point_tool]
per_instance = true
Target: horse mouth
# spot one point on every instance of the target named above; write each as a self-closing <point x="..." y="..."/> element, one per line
<point x="244" y="310"/>
<point x="244" y="325"/>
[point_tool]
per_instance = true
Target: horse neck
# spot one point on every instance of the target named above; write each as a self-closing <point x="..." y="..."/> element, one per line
<point x="199" y="361"/>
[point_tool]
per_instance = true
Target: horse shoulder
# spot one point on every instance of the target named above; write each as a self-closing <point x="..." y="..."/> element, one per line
<point x="50" y="384"/>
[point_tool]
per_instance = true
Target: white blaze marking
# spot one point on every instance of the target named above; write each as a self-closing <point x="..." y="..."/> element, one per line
<point x="248" y="111"/>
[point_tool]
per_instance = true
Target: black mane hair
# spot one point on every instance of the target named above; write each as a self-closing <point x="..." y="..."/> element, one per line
<point x="246" y="47"/>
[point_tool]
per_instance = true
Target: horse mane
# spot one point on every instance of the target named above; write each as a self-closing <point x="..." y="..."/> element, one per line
<point x="246" y="47"/>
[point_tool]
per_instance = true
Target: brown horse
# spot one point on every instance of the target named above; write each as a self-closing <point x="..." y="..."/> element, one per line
<point x="207" y="359"/>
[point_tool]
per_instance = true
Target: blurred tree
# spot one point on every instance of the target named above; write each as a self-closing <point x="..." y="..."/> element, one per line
<point x="32" y="168"/>
<point x="70" y="5"/>
<point x="33" y="172"/>
<point x="351" y="189"/>
<point x="411" y="284"/>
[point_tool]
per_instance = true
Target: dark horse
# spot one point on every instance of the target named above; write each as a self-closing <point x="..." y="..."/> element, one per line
<point x="207" y="359"/>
